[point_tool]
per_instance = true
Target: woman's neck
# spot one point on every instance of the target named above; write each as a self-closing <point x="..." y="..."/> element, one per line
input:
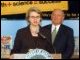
<point x="34" y="27"/>
<point x="34" y="30"/>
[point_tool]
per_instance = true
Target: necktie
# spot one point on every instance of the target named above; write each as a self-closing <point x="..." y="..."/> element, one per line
<point x="53" y="35"/>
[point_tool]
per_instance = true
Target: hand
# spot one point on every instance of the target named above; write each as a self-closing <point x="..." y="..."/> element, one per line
<point x="56" y="56"/>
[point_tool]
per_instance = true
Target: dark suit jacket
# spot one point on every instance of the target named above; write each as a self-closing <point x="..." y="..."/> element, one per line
<point x="64" y="41"/>
<point x="25" y="41"/>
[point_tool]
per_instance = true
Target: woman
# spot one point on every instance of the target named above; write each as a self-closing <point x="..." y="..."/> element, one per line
<point x="30" y="37"/>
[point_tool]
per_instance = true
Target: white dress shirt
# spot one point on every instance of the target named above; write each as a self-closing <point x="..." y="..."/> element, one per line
<point x="53" y="27"/>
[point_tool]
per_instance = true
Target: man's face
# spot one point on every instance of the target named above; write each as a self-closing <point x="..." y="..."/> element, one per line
<point x="57" y="17"/>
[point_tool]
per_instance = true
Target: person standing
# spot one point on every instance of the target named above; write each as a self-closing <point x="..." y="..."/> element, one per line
<point x="59" y="35"/>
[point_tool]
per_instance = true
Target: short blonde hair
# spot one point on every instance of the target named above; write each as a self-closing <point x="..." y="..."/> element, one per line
<point x="33" y="9"/>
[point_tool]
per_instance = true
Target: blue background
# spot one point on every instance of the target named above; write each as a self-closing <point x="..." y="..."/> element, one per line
<point x="10" y="27"/>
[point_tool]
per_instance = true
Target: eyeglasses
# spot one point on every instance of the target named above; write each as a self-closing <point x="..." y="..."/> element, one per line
<point x="34" y="17"/>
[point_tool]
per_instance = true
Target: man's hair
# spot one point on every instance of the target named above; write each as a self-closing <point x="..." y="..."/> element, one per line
<point x="58" y="10"/>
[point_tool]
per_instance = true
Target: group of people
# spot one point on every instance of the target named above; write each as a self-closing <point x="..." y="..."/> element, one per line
<point x="54" y="37"/>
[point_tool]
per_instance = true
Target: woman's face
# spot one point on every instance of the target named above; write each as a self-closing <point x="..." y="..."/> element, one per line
<point x="34" y="18"/>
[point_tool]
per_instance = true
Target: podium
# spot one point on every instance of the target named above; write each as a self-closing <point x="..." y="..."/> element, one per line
<point x="37" y="54"/>
<point x="22" y="56"/>
<point x="54" y="56"/>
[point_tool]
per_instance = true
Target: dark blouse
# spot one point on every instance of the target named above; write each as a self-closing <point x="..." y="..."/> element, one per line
<point x="25" y="41"/>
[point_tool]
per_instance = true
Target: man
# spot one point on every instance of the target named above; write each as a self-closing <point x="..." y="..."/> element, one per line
<point x="59" y="35"/>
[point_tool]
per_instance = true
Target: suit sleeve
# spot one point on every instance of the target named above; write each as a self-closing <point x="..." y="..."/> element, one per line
<point x="17" y="43"/>
<point x="70" y="45"/>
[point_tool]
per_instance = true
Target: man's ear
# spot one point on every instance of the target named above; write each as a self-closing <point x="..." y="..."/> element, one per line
<point x="63" y="17"/>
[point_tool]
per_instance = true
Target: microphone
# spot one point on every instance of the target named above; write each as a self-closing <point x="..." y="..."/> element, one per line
<point x="37" y="31"/>
<point x="42" y="35"/>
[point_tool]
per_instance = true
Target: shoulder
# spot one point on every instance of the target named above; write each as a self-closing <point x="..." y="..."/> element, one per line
<point x="47" y="26"/>
<point x="23" y="30"/>
<point x="46" y="29"/>
<point x="67" y="28"/>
